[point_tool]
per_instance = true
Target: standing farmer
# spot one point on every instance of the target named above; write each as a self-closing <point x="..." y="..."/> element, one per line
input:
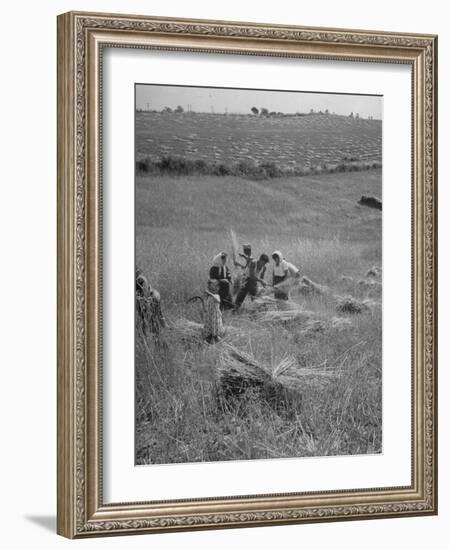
<point x="241" y="267"/>
<point x="254" y="274"/>
<point x="246" y="257"/>
<point x="213" y="320"/>
<point x="220" y="272"/>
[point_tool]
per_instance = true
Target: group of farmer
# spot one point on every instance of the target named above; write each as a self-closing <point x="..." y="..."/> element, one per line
<point x="251" y="275"/>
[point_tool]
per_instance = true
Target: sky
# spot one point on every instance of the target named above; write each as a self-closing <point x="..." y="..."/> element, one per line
<point x="231" y="100"/>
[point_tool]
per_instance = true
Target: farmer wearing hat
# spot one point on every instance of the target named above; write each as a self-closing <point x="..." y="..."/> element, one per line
<point x="241" y="271"/>
<point x="246" y="256"/>
<point x="254" y="274"/>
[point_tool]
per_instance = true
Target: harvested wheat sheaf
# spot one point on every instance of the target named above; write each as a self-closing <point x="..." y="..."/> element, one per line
<point x="261" y="304"/>
<point x="234" y="245"/>
<point x="267" y="310"/>
<point x="374" y="271"/>
<point x="349" y="304"/>
<point x="238" y="368"/>
<point x="237" y="371"/>
<point x="302" y="285"/>
<point x="286" y="316"/>
<point x="308" y="286"/>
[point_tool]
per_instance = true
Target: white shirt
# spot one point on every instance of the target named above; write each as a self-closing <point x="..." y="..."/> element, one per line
<point x="279" y="270"/>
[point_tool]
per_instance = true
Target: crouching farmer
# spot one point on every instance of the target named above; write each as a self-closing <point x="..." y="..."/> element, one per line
<point x="282" y="271"/>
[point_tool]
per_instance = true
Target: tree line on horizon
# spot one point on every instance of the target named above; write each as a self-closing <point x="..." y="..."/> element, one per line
<point x="255" y="112"/>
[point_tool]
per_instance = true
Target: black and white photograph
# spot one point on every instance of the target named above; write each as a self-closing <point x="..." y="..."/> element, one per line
<point x="258" y="274"/>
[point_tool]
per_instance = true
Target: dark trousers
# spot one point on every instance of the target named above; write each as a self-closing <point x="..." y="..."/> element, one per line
<point x="224" y="291"/>
<point x="250" y="287"/>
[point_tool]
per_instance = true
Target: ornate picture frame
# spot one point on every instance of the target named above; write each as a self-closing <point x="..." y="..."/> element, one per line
<point x="82" y="38"/>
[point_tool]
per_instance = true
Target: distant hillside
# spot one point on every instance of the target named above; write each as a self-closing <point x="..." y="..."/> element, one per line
<point x="288" y="140"/>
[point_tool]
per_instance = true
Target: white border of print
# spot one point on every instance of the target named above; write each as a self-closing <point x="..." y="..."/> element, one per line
<point x="125" y="482"/>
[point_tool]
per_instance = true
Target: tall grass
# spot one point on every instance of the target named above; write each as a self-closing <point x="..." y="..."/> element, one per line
<point x="181" y="419"/>
<point x="181" y="224"/>
<point x="179" y="415"/>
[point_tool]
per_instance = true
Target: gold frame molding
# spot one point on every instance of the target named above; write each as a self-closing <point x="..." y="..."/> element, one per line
<point x="81" y="37"/>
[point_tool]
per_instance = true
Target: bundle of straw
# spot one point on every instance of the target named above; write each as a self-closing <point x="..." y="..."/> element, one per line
<point x="283" y="367"/>
<point x="285" y="316"/>
<point x="301" y="285"/>
<point x="237" y="276"/>
<point x="348" y="304"/>
<point x="262" y="303"/>
<point x="293" y="377"/>
<point x="234" y="245"/>
<point x="310" y="286"/>
<point x="286" y="285"/>
<point x="237" y="371"/>
<point x="374" y="271"/>
<point x="302" y="377"/>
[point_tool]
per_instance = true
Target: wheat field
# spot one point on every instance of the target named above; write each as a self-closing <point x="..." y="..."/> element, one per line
<point x="289" y="140"/>
<point x="181" y="223"/>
